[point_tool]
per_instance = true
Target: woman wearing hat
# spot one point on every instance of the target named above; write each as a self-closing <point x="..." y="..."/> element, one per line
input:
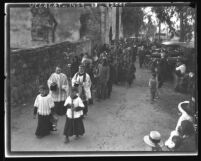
<point x="153" y="140"/>
<point x="103" y="78"/>
<point x="179" y="138"/>
<point x="184" y="122"/>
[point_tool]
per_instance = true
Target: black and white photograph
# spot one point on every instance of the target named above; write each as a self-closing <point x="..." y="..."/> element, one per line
<point x="100" y="79"/>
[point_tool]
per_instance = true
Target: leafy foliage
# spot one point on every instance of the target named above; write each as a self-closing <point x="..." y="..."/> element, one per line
<point x="187" y="20"/>
<point x="149" y="28"/>
<point x="164" y="15"/>
<point x="186" y="15"/>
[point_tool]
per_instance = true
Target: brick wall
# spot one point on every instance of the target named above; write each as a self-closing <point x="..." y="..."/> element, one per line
<point x="31" y="67"/>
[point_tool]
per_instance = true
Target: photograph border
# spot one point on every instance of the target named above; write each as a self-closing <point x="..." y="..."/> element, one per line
<point x="7" y="105"/>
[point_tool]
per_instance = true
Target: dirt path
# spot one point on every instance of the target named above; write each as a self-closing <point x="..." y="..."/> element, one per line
<point x="116" y="124"/>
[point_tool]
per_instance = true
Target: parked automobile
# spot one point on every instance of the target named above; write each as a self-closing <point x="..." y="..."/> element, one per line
<point x="179" y="51"/>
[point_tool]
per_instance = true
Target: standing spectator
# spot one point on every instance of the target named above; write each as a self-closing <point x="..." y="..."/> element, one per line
<point x="97" y="76"/>
<point x="162" y="70"/>
<point x="74" y="124"/>
<point x="153" y="86"/>
<point x="111" y="78"/>
<point x="156" y="69"/>
<point x="120" y="72"/>
<point x="67" y="68"/>
<point x="191" y="84"/>
<point x="89" y="70"/>
<point x="141" y="55"/>
<point x="131" y="73"/>
<point x="95" y="71"/>
<point x="60" y="93"/>
<point x="103" y="77"/>
<point x="83" y="81"/>
<point x="43" y="106"/>
<point x="180" y="72"/>
<point x="134" y="53"/>
<point x="124" y="71"/>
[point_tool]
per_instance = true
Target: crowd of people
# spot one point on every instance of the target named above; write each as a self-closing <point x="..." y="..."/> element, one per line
<point x="71" y="92"/>
<point x="181" y="138"/>
<point x="86" y="78"/>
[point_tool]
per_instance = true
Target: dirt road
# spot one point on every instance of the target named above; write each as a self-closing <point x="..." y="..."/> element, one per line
<point x="116" y="124"/>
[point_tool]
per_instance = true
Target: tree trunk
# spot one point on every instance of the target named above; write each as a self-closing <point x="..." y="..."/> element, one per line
<point x="159" y="34"/>
<point x="117" y="23"/>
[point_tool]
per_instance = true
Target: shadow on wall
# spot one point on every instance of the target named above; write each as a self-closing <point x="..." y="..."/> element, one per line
<point x="20" y="26"/>
<point x="68" y="23"/>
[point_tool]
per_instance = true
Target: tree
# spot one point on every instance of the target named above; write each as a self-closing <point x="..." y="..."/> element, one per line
<point x="187" y="22"/>
<point x="164" y="15"/>
<point x="132" y="20"/>
<point x="149" y="28"/>
<point x="186" y="16"/>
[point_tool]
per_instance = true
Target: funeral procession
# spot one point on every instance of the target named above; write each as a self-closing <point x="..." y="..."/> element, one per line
<point x="101" y="77"/>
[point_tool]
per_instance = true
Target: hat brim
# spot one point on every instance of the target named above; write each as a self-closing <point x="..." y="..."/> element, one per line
<point x="150" y="143"/>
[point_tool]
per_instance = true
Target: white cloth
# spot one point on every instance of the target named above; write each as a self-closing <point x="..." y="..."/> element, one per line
<point x="86" y="84"/>
<point x="63" y="87"/>
<point x="169" y="143"/>
<point x="184" y="115"/>
<point x="76" y="102"/>
<point x="84" y="59"/>
<point x="95" y="58"/>
<point x="44" y="104"/>
<point x="182" y="68"/>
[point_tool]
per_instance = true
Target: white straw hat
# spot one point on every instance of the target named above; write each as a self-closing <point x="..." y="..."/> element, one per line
<point x="153" y="139"/>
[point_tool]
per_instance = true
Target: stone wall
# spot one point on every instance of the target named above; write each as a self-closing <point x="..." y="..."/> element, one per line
<point x="67" y="29"/>
<point x="31" y="67"/>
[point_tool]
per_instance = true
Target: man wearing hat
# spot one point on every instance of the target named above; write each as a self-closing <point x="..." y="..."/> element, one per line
<point x="153" y="140"/>
<point x="83" y="81"/>
<point x="163" y="70"/>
